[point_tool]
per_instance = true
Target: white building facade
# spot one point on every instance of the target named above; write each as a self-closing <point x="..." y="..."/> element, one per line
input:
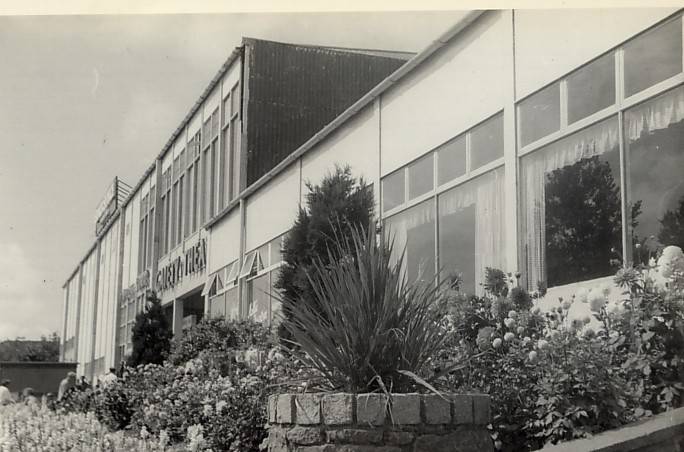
<point x="547" y="143"/>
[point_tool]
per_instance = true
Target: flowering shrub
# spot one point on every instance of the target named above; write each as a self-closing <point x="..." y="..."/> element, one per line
<point x="35" y="428"/>
<point x="585" y="366"/>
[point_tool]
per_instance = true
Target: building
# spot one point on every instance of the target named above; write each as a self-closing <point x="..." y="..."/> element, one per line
<point x="513" y="141"/>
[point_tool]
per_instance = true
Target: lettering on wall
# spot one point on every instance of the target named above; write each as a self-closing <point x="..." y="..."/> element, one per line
<point x="141" y="284"/>
<point x="193" y="261"/>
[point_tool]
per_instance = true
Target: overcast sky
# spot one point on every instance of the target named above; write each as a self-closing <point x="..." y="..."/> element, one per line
<point x="87" y="98"/>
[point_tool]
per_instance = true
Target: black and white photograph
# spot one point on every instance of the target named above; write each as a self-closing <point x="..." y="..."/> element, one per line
<point x="341" y="228"/>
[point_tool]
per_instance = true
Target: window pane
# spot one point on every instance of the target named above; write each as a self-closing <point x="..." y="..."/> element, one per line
<point x="235" y="157"/>
<point x="259" y="298"/>
<point x="232" y="305"/>
<point x="591" y="88"/>
<point x="413" y="232"/>
<point x="457" y="246"/>
<point x="235" y="100"/>
<point x="573" y="221"/>
<point x="656" y="163"/>
<point x="653" y="57"/>
<point x="217" y="306"/>
<point x="452" y="160"/>
<point x="393" y="190"/>
<point x="540" y="114"/>
<point x="276" y="248"/>
<point x="421" y="178"/>
<point x="486" y="142"/>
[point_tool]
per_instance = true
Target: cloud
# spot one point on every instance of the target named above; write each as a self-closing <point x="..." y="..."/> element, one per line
<point x="24" y="311"/>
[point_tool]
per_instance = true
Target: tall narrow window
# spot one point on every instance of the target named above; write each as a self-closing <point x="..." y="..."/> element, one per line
<point x="174" y="216"/>
<point x="181" y="197"/>
<point x="195" y="195"/>
<point x="452" y="160"/>
<point x="393" y="191"/>
<point x="212" y="180"/>
<point x="486" y="142"/>
<point x="421" y="176"/>
<point x="150" y="237"/>
<point x="235" y="156"/>
<point x="412" y="232"/>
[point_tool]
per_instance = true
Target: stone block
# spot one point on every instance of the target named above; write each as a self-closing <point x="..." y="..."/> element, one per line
<point x="405" y="409"/>
<point x="272" y="403"/>
<point x="394" y="438"/>
<point x="285" y="409"/>
<point x="462" y="409"/>
<point x="305" y="436"/>
<point x="355" y="436"/>
<point x="437" y="409"/>
<point x="371" y="409"/>
<point x="308" y="408"/>
<point x="481" y="415"/>
<point x="462" y="441"/>
<point x="337" y="409"/>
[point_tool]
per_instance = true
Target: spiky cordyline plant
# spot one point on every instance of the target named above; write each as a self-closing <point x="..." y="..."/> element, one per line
<point x="374" y="331"/>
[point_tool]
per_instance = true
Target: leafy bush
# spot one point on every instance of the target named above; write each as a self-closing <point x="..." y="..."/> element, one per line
<point x="340" y="201"/>
<point x="368" y="328"/>
<point x="151" y="335"/>
<point x="585" y="366"/>
<point x="215" y="335"/>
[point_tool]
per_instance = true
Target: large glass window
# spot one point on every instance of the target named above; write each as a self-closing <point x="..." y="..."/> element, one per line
<point x="572" y="212"/>
<point x="457" y="247"/>
<point x="655" y="152"/>
<point x="421" y="176"/>
<point x="451" y="159"/>
<point x="540" y="114"/>
<point x="232" y="305"/>
<point x="486" y="142"/>
<point x="258" y="292"/>
<point x="393" y="193"/>
<point x="591" y="88"/>
<point x="412" y="232"/>
<point x="217" y="305"/>
<point x="653" y="57"/>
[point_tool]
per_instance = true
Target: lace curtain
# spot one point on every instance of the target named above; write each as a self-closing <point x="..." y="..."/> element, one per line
<point x="655" y="114"/>
<point x="487" y="194"/>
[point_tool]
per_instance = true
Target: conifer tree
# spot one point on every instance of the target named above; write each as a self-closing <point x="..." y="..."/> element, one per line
<point x="340" y="201"/>
<point x="151" y="335"/>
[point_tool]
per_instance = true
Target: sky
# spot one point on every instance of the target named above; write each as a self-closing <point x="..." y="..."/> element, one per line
<point x="87" y="98"/>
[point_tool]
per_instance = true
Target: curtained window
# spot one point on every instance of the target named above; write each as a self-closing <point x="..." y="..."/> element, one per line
<point x="413" y="233"/>
<point x="472" y="230"/>
<point x="655" y="152"/>
<point x="572" y="213"/>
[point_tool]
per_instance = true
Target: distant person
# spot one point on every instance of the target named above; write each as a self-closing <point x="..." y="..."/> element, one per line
<point x="109" y="378"/>
<point x="66" y="385"/>
<point x="29" y="397"/>
<point x="82" y="383"/>
<point x="5" y="395"/>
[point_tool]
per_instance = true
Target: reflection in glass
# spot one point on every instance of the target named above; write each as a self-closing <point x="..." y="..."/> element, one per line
<point x="413" y="232"/>
<point x="572" y="207"/>
<point x="591" y="88"/>
<point x="217" y="306"/>
<point x="583" y="219"/>
<point x="232" y="305"/>
<point x="486" y="142"/>
<point x="457" y="246"/>
<point x="655" y="149"/>
<point x="653" y="57"/>
<point x="421" y="176"/>
<point x="540" y="114"/>
<point x="393" y="190"/>
<point x="259" y="298"/>
<point x="452" y="160"/>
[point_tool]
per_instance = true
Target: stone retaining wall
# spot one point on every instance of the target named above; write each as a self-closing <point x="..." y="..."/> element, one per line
<point x="372" y="423"/>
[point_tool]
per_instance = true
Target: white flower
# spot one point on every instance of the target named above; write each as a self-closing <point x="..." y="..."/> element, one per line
<point x="670" y="261"/>
<point x="596" y="299"/>
<point x="512" y="315"/>
<point x="509" y="322"/>
<point x="496" y="343"/>
<point x="542" y="344"/>
<point x="509" y="336"/>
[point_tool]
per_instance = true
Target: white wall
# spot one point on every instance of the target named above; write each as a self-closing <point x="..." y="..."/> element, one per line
<point x="212" y="102"/>
<point x="231" y="77"/>
<point x="454" y="90"/>
<point x="272" y="210"/>
<point x="224" y="241"/>
<point x="356" y="143"/>
<point x="85" y="332"/>
<point x="107" y="295"/>
<point x="551" y="43"/>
